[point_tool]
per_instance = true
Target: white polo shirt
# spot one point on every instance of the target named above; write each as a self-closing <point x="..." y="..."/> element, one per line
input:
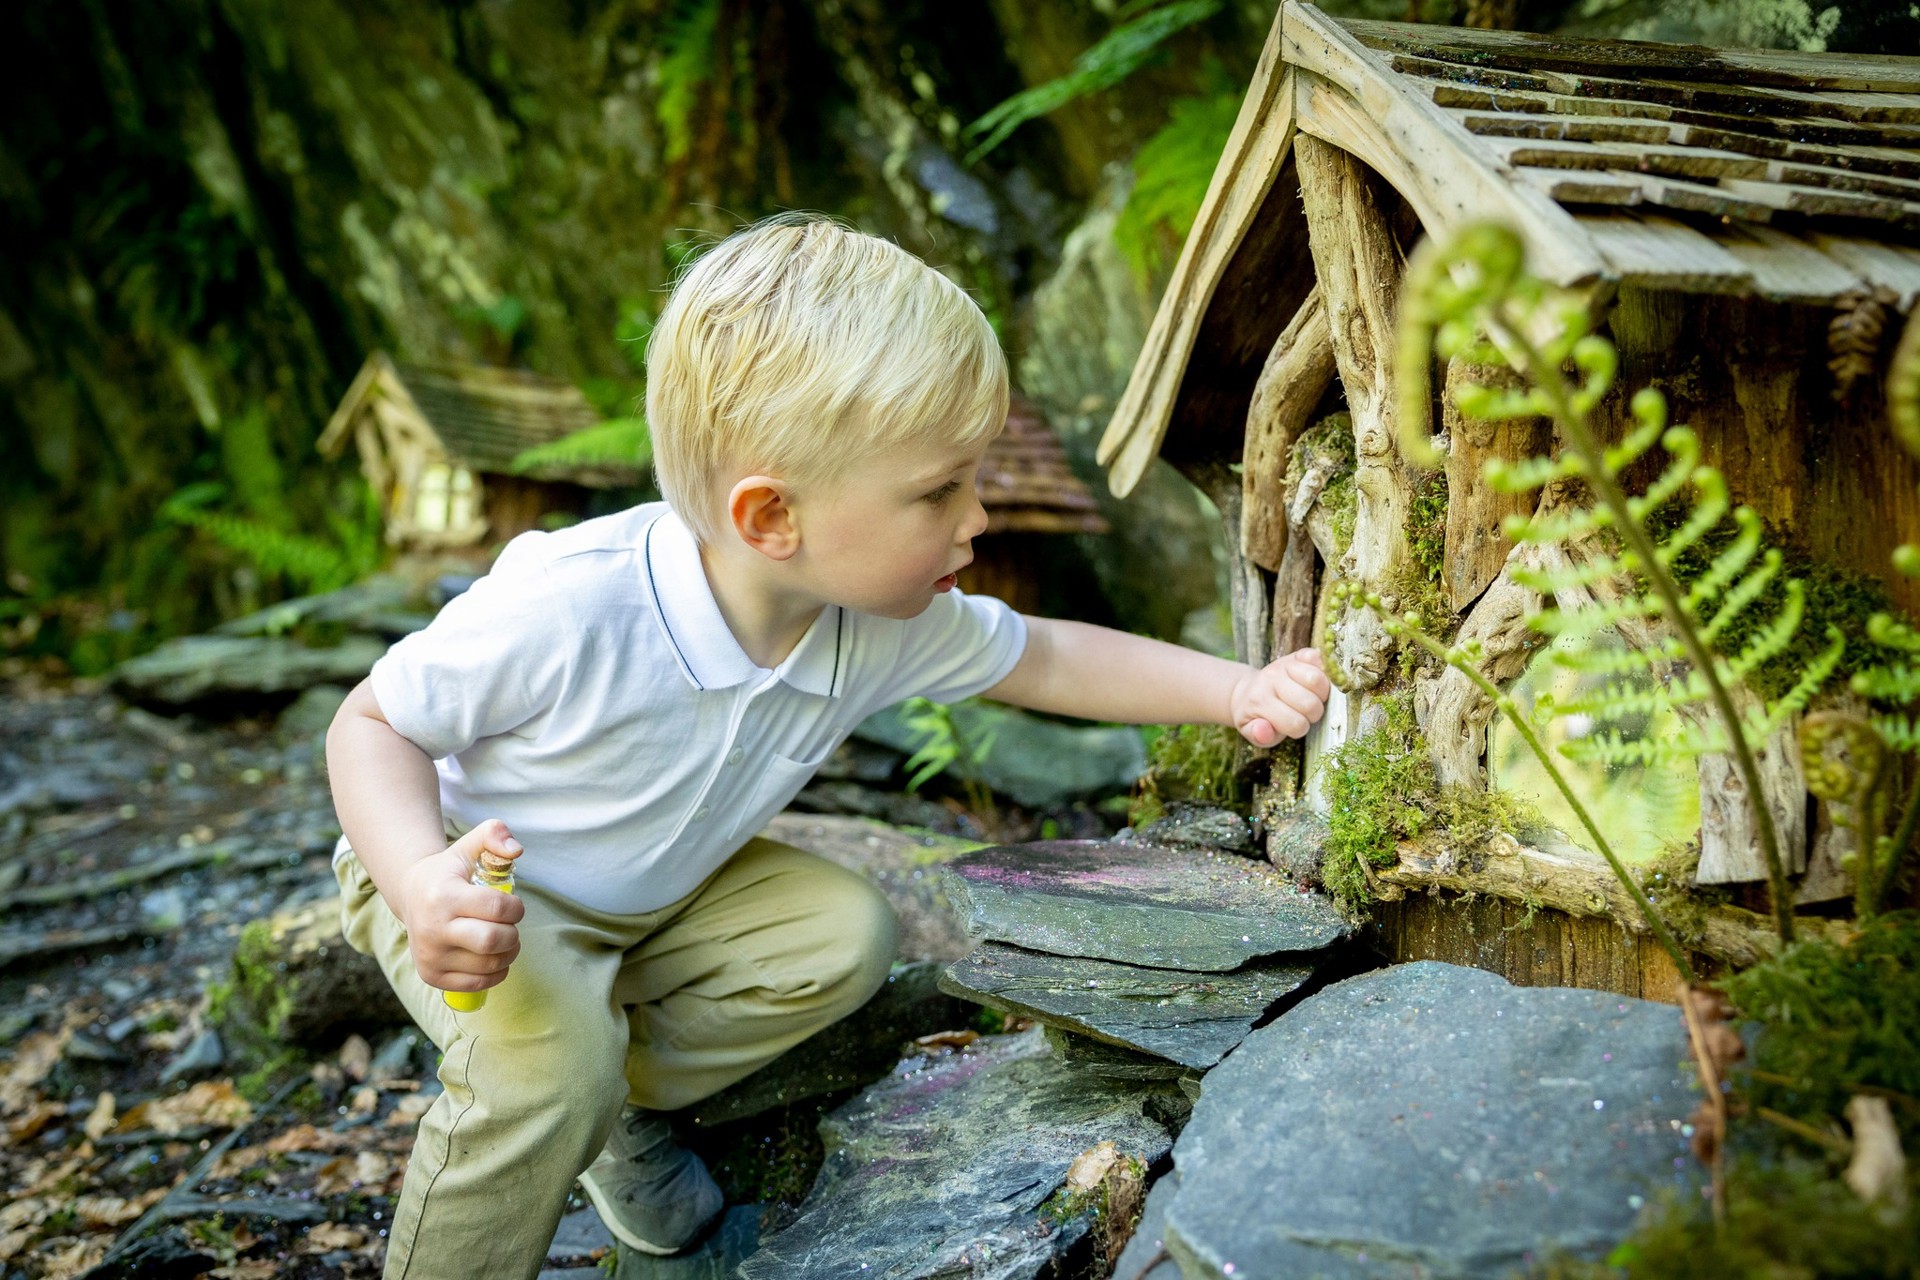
<point x="588" y="693"/>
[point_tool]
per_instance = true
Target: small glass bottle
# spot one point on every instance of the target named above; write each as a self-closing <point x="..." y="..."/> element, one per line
<point x="490" y="871"/>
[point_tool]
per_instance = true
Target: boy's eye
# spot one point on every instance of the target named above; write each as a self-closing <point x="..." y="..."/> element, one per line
<point x="944" y="492"/>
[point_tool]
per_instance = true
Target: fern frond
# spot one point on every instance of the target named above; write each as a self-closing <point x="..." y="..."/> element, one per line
<point x="1733" y="558"/>
<point x="1896" y="683"/>
<point x="617" y="442"/>
<point x="1611" y="749"/>
<point x="1567" y="577"/>
<point x="686" y="65"/>
<point x="1619" y="700"/>
<point x="1112" y="59"/>
<point x="1684" y="448"/>
<point x="1526" y="474"/>
<point x="1649" y="409"/>
<point x="1581" y="622"/>
<point x="1890" y="633"/>
<point x="1902" y="733"/>
<point x="1562" y="524"/>
<point x="1771" y="639"/>
<point x="1744" y="593"/>
<point x="1710" y="507"/>
<point x="1812" y="680"/>
<point x="1618" y="660"/>
<point x="1497" y="404"/>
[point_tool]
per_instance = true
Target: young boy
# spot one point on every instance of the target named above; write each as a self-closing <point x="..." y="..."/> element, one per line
<point x="628" y="701"/>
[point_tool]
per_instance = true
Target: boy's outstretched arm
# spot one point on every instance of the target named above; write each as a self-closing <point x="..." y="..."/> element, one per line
<point x="1076" y="669"/>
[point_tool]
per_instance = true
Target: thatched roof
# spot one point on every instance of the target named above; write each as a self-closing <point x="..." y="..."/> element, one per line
<point x="1026" y="483"/>
<point x="1789" y="176"/>
<point x="483" y="417"/>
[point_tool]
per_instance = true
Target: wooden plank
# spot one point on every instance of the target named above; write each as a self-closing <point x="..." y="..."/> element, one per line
<point x="1803" y="174"/>
<point x="1356" y="103"/>
<point x="1814" y="202"/>
<point x="1517" y="50"/>
<point x="1659" y="253"/>
<point x="1784" y="267"/>
<point x="1736" y="99"/>
<point x="1894" y="267"/>
<point x="1291" y="383"/>
<point x="1612" y="187"/>
<point x="1668" y="161"/>
<point x="1262" y="134"/>
<point x="1563" y="128"/>
<point x="1849" y="158"/>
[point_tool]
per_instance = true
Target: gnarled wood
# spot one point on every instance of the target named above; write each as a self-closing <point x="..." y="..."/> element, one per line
<point x="1291" y="384"/>
<point x="1729" y="846"/>
<point x="1358" y="267"/>
<point x="1475" y="546"/>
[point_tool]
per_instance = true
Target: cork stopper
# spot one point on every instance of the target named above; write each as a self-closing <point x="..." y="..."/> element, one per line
<point x="493" y="864"/>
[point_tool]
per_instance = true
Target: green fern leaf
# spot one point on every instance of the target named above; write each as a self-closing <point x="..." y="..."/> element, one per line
<point x="617" y="442"/>
<point x="1744" y="593"/>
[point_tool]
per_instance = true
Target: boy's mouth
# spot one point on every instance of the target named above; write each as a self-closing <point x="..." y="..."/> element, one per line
<point x="947" y="583"/>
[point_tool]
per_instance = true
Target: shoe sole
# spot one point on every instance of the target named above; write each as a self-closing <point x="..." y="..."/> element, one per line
<point x="604" y="1207"/>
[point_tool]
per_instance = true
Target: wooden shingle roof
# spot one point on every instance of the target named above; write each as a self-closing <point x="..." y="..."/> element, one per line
<point x="1789" y="176"/>
<point x="484" y="417"/>
<point x="1026" y="483"/>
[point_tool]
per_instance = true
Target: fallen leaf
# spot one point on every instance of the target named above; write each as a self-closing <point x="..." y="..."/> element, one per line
<point x="31" y="1062"/>
<point x="33" y="1123"/>
<point x="72" y="1258"/>
<point x="409" y="1109"/>
<point x="333" y="1235"/>
<point x="946" y="1040"/>
<point x="305" y="1137"/>
<point x="365" y="1099"/>
<point x="1878" y="1170"/>
<point x="356" y="1056"/>
<point x="211" y="1102"/>
<point x="100" y="1119"/>
<point x="112" y="1211"/>
<point x="1091" y="1166"/>
<point x="252" y="1269"/>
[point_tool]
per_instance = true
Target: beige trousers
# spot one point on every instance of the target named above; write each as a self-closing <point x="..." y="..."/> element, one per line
<point x="660" y="1009"/>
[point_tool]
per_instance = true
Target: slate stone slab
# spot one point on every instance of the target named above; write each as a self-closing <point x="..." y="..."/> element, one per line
<point x="903" y="865"/>
<point x="1193" y="1019"/>
<point x="1434" y="1122"/>
<point x="1038" y="763"/>
<point x="1097" y="1057"/>
<point x="1135" y="903"/>
<point x="1146" y="1256"/>
<point x="195" y="669"/>
<point x="938" y="1170"/>
<point x="714" y="1258"/>
<point x="857" y="1049"/>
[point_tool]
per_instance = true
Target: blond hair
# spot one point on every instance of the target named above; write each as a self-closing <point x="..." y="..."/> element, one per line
<point x="799" y="346"/>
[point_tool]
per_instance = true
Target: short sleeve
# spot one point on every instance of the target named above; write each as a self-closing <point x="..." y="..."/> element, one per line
<point x="493" y="659"/>
<point x="960" y="645"/>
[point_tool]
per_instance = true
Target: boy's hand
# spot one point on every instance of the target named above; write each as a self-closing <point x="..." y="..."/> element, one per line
<point x="462" y="935"/>
<point x="1282" y="699"/>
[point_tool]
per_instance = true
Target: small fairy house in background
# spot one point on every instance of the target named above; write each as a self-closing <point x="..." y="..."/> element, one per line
<point x="1746" y="227"/>
<point x="438" y="443"/>
<point x="1030" y="493"/>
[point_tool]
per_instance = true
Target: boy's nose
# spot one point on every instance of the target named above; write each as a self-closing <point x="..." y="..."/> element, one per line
<point x="976" y="523"/>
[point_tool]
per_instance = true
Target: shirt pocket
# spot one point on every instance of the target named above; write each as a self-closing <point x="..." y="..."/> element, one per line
<point x="780" y="778"/>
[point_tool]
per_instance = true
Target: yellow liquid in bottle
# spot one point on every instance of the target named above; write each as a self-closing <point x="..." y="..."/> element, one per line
<point x="489" y="872"/>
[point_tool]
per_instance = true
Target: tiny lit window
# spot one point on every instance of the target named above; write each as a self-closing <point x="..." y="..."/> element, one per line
<point x="436" y="488"/>
<point x="460" y="502"/>
<point x="1642" y="810"/>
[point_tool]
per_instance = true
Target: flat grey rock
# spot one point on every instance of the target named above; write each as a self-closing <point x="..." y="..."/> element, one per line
<point x="714" y="1258"/>
<point x="578" y="1236"/>
<point x="1193" y="1019"/>
<point x="1135" y="903"/>
<point x="1098" y="1058"/>
<point x="1208" y="826"/>
<point x="1037" y="763"/>
<point x="1435" y="1122"/>
<point x="904" y="865"/>
<point x="939" y="1170"/>
<point x="854" y="1051"/>
<point x="196" y="669"/>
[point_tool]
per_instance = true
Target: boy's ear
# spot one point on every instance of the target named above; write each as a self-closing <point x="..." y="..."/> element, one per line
<point x="761" y="510"/>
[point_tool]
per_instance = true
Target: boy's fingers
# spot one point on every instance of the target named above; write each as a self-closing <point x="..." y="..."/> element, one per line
<point x="491" y="834"/>
<point x="1302" y="700"/>
<point x="1309" y="655"/>
<point x="479" y="938"/>
<point x="1259" y="732"/>
<point x="480" y="903"/>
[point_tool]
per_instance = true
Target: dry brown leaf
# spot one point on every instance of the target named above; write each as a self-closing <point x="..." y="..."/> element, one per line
<point x="31" y="1125"/>
<point x="946" y="1040"/>
<point x="238" y="1161"/>
<point x="31" y="1062"/>
<point x="100" y="1119"/>
<point x="367" y="1169"/>
<point x="1091" y="1166"/>
<point x="71" y="1257"/>
<point x="365" y="1100"/>
<point x="333" y="1235"/>
<point x="211" y="1102"/>
<point x="248" y="1269"/>
<point x="12" y="1242"/>
<point x="409" y="1109"/>
<point x="112" y="1211"/>
<point x="24" y="1212"/>
<point x="356" y="1056"/>
<point x="304" y="1137"/>
<point x="1878" y="1170"/>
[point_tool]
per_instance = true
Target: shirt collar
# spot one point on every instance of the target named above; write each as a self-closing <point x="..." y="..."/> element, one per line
<point x="703" y="646"/>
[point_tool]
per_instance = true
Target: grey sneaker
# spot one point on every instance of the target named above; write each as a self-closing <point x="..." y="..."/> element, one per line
<point x="651" y="1192"/>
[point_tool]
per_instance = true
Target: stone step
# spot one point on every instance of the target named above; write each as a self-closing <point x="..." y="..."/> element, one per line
<point x="1193" y="1019"/>
<point x="1135" y="903"/>
<point x="1428" y="1120"/>
<point x="948" y="1167"/>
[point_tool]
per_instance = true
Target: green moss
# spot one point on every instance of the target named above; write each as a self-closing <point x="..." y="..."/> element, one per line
<point x="1837" y="1019"/>
<point x="1381" y="789"/>
<point x="1427" y="524"/>
<point x="1330" y="438"/>
<point x="1190" y="762"/>
<point x="1787" y="1221"/>
<point x="1835" y="596"/>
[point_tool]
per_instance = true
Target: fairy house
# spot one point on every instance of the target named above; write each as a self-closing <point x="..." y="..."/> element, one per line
<point x="1747" y="224"/>
<point x="438" y="443"/>
<point x="1031" y="495"/>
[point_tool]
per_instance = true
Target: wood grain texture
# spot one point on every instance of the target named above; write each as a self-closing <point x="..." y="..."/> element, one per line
<point x="1292" y="382"/>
